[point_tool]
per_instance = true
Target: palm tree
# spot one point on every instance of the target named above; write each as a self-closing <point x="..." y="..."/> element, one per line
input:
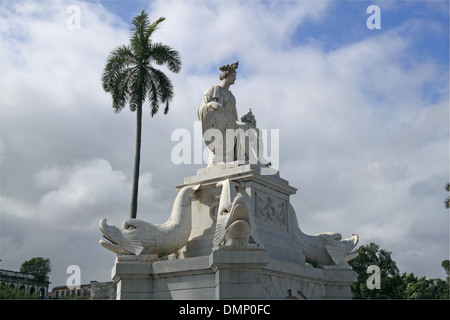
<point x="130" y="77"/>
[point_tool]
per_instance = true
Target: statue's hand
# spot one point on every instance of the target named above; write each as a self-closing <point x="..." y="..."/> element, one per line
<point x="214" y="105"/>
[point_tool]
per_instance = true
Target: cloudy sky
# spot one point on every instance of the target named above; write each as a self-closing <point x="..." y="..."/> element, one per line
<point x="362" y="114"/>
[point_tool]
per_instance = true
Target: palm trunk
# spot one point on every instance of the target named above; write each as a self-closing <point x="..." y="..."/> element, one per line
<point x="137" y="161"/>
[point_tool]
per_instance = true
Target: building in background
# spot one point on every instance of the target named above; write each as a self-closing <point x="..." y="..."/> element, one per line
<point x="94" y="291"/>
<point x="29" y="283"/>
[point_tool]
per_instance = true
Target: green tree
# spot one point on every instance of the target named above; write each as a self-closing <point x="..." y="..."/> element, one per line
<point x="38" y="267"/>
<point x="131" y="79"/>
<point x="394" y="285"/>
<point x="423" y="288"/>
<point x="430" y="288"/>
<point x="446" y="265"/>
<point x="390" y="278"/>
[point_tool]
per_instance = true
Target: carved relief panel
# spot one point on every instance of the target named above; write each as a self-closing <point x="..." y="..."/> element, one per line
<point x="271" y="210"/>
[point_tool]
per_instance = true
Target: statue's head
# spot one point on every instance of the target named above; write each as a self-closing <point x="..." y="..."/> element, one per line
<point x="228" y="70"/>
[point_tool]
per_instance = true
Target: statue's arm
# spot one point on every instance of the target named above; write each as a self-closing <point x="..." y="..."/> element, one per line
<point x="210" y="102"/>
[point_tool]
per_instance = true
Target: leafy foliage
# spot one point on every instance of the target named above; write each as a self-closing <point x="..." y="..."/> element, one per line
<point x="38" y="267"/>
<point x="390" y="275"/>
<point x="129" y="74"/>
<point x="393" y="284"/>
<point x="423" y="288"/>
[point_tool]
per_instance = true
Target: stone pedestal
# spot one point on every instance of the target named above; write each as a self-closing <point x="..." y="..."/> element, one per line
<point x="239" y="273"/>
<point x="274" y="268"/>
<point x="228" y="274"/>
<point x="131" y="275"/>
<point x="269" y="196"/>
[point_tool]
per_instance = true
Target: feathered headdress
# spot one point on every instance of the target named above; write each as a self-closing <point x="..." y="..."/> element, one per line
<point x="229" y="68"/>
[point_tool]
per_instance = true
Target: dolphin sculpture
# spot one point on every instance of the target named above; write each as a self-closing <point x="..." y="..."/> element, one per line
<point x="325" y="250"/>
<point x="234" y="224"/>
<point x="138" y="237"/>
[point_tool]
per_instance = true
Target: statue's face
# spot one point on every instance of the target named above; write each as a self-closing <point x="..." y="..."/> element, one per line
<point x="231" y="78"/>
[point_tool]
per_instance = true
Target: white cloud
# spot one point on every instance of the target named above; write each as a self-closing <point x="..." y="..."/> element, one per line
<point x="206" y="34"/>
<point x="82" y="194"/>
<point x="85" y="192"/>
<point x="17" y="207"/>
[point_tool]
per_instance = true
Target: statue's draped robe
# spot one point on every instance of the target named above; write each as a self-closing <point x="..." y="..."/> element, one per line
<point x="221" y="95"/>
